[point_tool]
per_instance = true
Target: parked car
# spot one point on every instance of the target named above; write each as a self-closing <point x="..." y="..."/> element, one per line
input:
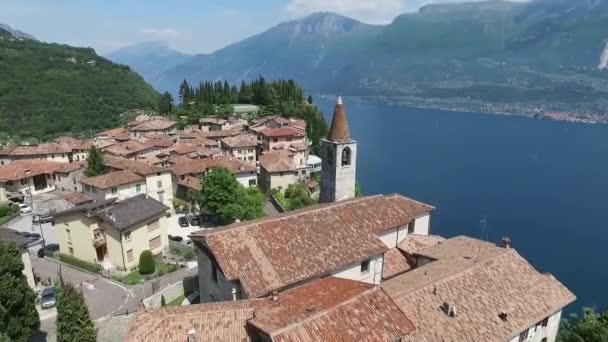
<point x="24" y="208"/>
<point x="176" y="238"/>
<point x="183" y="221"/>
<point x="48" y="250"/>
<point x="195" y="220"/>
<point x="33" y="236"/>
<point x="48" y="298"/>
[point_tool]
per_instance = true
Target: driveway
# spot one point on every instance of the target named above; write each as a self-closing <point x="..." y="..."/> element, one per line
<point x="23" y="223"/>
<point x="174" y="228"/>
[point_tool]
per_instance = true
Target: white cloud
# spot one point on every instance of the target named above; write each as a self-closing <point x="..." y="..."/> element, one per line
<point x="160" y="33"/>
<point x="370" y="11"/>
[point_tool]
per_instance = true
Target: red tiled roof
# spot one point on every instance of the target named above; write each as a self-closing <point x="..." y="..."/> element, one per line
<point x="243" y="140"/>
<point x="30" y="150"/>
<point x="116" y="133"/>
<point x="77" y="198"/>
<point x="73" y="143"/>
<point x="137" y="167"/>
<point x="113" y="179"/>
<point x="277" y="161"/>
<point x="217" y="121"/>
<point x="127" y="148"/>
<point x="338" y="132"/>
<point x="282" y="132"/>
<point x="220" y="134"/>
<point x="200" y="166"/>
<point x="190" y="182"/>
<point x="481" y="280"/>
<point x="414" y="243"/>
<point x="159" y="142"/>
<point x="272" y="253"/>
<point x="395" y="262"/>
<point x="154" y="125"/>
<point x="28" y="168"/>
<point x="71" y="167"/>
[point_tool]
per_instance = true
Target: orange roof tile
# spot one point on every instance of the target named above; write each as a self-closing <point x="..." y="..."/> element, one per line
<point x="282" y="132"/>
<point x="140" y="168"/>
<point x="243" y="140"/>
<point x="28" y="168"/>
<point x="154" y="125"/>
<point x="338" y="132"/>
<point x="78" y="198"/>
<point x="113" y="179"/>
<point x="395" y="262"/>
<point x="277" y="161"/>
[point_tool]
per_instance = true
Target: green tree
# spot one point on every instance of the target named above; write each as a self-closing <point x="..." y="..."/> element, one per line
<point x="593" y="327"/>
<point x="185" y="93"/>
<point x="18" y="315"/>
<point x="95" y="165"/>
<point x="163" y="303"/>
<point x="165" y="103"/>
<point x="147" y="264"/>
<point x="73" y="320"/>
<point x="297" y="196"/>
<point x="222" y="195"/>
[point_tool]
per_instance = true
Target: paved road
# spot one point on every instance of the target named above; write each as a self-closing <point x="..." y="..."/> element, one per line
<point x="270" y="209"/>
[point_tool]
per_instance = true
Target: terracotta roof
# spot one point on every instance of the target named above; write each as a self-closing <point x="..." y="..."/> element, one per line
<point x="277" y="161"/>
<point x="27" y="150"/>
<point x="213" y="322"/>
<point x="242" y="140"/>
<point x="73" y="143"/>
<point x="200" y="166"/>
<point x="184" y="148"/>
<point x="217" y="121"/>
<point x="282" y="132"/>
<point x="331" y="309"/>
<point x="71" y="167"/>
<point x="298" y="147"/>
<point x="153" y="125"/>
<point x="338" y="132"/>
<point x="115" y="133"/>
<point x="113" y="179"/>
<point x="127" y="148"/>
<point x="28" y="168"/>
<point x="159" y="142"/>
<point x="395" y="262"/>
<point x="220" y="134"/>
<point x="77" y="198"/>
<point x="414" y="243"/>
<point x="191" y="182"/>
<point x="137" y="167"/>
<point x="272" y="253"/>
<point x="328" y="310"/>
<point x="481" y="280"/>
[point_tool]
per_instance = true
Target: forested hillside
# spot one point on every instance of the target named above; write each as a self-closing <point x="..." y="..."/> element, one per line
<point x="52" y="89"/>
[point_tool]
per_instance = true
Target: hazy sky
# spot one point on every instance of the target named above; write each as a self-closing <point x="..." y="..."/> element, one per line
<point x="195" y="26"/>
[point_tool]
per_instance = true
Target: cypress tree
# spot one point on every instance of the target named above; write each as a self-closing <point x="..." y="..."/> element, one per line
<point x="95" y="165"/>
<point x="310" y="99"/>
<point x="73" y="320"/>
<point x="18" y="315"/>
<point x="163" y="303"/>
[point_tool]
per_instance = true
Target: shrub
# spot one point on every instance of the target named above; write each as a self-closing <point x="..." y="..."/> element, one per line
<point x="4" y="211"/>
<point x="189" y="255"/>
<point x="15" y="208"/>
<point x="147" y="264"/>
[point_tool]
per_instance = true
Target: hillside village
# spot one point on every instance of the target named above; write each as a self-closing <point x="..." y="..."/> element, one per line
<point x="348" y="268"/>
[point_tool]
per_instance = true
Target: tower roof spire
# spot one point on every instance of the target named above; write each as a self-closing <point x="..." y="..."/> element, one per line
<point x="338" y="131"/>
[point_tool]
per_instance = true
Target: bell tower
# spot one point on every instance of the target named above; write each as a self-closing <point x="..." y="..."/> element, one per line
<point x="339" y="153"/>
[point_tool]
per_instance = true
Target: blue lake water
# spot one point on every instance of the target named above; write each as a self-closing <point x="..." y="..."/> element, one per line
<point x="542" y="183"/>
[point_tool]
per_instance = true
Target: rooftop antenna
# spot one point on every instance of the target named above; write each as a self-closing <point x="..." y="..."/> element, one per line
<point x="484" y="235"/>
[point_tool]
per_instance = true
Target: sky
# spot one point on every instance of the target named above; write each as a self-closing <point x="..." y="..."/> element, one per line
<point x="192" y="26"/>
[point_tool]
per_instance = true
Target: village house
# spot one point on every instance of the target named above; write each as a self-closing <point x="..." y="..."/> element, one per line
<point x="217" y="136"/>
<point x="68" y="176"/>
<point x="277" y="170"/>
<point x="113" y="233"/>
<point x="3" y="195"/>
<point x="277" y="122"/>
<point x="161" y="126"/>
<point x="52" y="152"/>
<point x="214" y="124"/>
<point x="114" y="135"/>
<point x="79" y="148"/>
<point x="131" y="149"/>
<point x="119" y="184"/>
<point x="29" y="177"/>
<point x="159" y="183"/>
<point x="281" y="138"/>
<point x="22" y="243"/>
<point x="242" y="147"/>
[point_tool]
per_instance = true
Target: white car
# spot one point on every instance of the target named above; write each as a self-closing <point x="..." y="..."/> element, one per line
<point x="24" y="208"/>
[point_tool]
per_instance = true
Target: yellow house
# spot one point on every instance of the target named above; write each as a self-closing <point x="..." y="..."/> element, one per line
<point x="113" y="234"/>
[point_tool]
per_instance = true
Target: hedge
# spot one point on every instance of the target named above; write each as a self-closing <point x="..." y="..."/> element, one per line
<point x="147" y="264"/>
<point x="87" y="266"/>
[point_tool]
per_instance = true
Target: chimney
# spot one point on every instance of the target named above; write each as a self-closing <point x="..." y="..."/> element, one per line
<point x="449" y="309"/>
<point x="506" y="242"/>
<point x="503" y="315"/>
<point x="275" y="296"/>
<point x="191" y="335"/>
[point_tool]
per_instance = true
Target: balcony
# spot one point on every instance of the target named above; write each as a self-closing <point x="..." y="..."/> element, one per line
<point x="99" y="239"/>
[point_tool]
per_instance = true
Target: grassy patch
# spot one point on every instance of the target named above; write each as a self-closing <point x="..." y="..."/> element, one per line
<point x="177" y="301"/>
<point x="5" y="219"/>
<point x="87" y="266"/>
<point x="132" y="278"/>
<point x="135" y="277"/>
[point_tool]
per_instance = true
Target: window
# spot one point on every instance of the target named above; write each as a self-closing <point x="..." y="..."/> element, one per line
<point x="71" y="251"/>
<point x="523" y="336"/>
<point x="137" y="187"/>
<point x="159" y="184"/>
<point x="346" y="156"/>
<point x="127" y="236"/>
<point x="130" y="255"/>
<point x="275" y="139"/>
<point x="154" y="243"/>
<point x="67" y="231"/>
<point x="252" y="182"/>
<point x="152" y="225"/>
<point x="214" y="273"/>
<point x="87" y="188"/>
<point x="545" y="322"/>
<point x="329" y="156"/>
<point x="411" y="226"/>
<point x="114" y="190"/>
<point x="74" y="181"/>
<point x="365" y="266"/>
<point x="24" y="181"/>
<point x="544" y="339"/>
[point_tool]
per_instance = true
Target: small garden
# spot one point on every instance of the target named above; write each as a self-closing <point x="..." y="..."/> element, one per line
<point x="296" y="196"/>
<point x="8" y="213"/>
<point x="149" y="268"/>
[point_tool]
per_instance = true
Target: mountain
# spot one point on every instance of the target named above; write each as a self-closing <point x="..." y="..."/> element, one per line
<point x="149" y="59"/>
<point x="52" y="89"/>
<point x="16" y="33"/>
<point x="531" y="58"/>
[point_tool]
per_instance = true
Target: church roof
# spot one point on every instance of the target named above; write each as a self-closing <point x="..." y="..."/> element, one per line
<point x="339" y="126"/>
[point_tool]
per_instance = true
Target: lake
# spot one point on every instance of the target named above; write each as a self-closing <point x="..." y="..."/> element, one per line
<point x="542" y="183"/>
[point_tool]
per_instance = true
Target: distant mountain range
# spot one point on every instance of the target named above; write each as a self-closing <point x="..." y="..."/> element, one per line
<point x="149" y="59"/>
<point x="533" y="58"/>
<point x="16" y="33"/>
